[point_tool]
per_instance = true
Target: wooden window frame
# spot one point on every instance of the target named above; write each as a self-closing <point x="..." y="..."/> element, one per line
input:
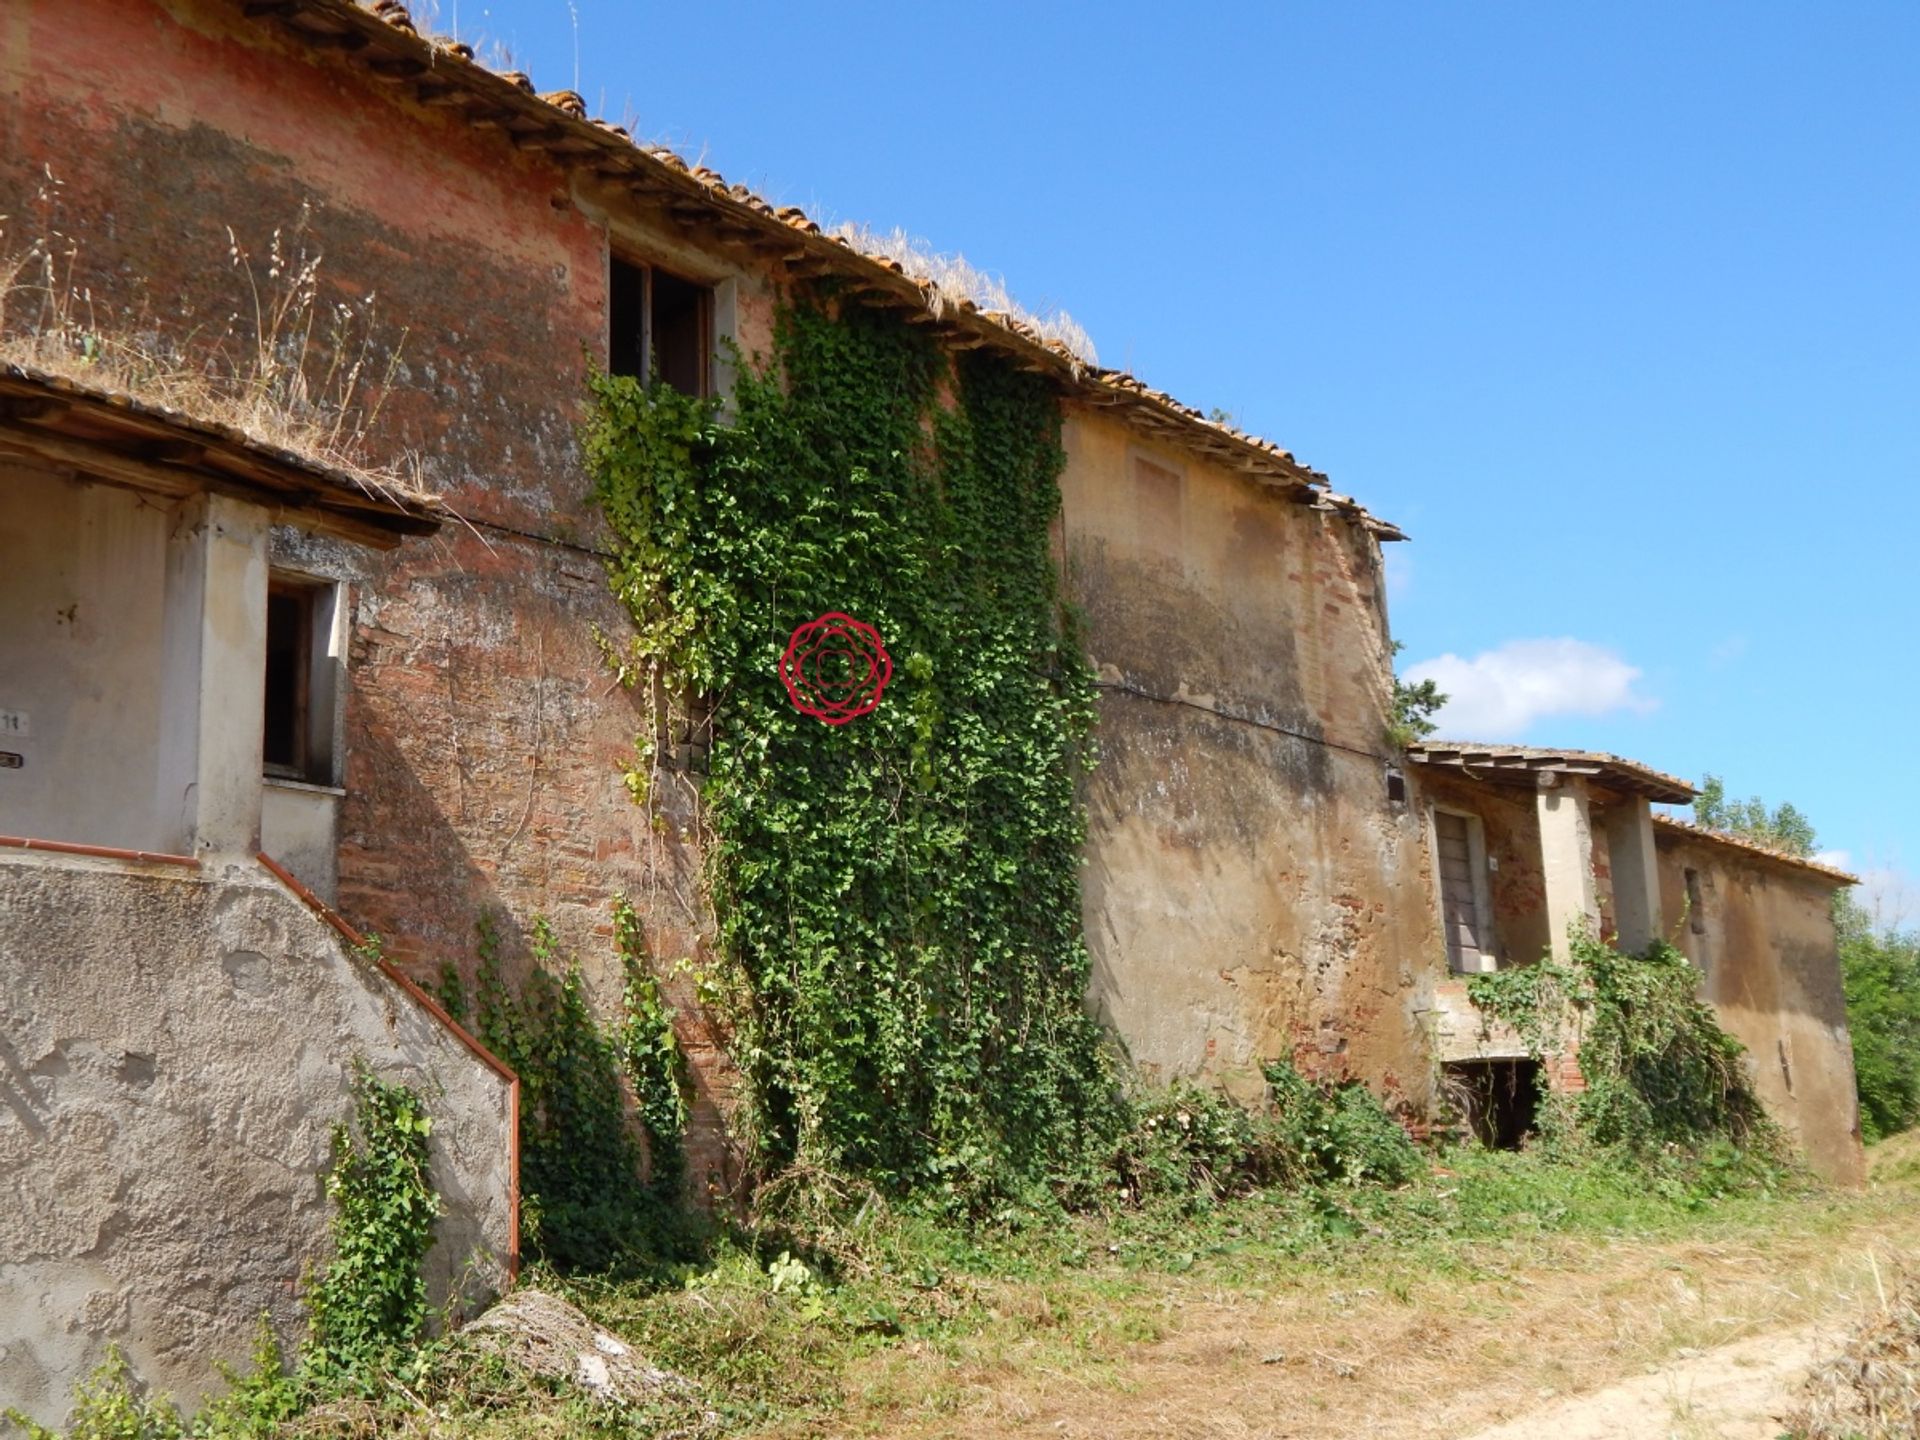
<point x="1480" y="873"/>
<point x="709" y="301"/>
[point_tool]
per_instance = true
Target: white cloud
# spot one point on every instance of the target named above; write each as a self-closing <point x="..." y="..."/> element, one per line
<point x="1499" y="693"/>
<point x="1889" y="895"/>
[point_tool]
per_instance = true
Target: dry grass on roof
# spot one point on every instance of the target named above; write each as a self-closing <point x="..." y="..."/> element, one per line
<point x="955" y="278"/>
<point x="286" y="367"/>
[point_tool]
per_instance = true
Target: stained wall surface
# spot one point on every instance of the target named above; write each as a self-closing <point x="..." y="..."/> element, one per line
<point x="1516" y="879"/>
<point x="1251" y="892"/>
<point x="485" y="740"/>
<point x="175" y="1049"/>
<point x="82" y="589"/>
<point x="1763" y="940"/>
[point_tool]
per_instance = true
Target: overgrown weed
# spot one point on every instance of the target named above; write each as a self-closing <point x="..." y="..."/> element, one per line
<point x="291" y="364"/>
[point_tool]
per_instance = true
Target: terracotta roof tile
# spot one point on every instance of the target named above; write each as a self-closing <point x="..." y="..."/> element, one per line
<point x="1613" y="769"/>
<point x="395" y="13"/>
<point x="321" y="21"/>
<point x="1751" y="846"/>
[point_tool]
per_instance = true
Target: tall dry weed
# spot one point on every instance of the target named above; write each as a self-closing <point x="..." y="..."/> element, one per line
<point x="288" y="366"/>
<point x="1871" y="1390"/>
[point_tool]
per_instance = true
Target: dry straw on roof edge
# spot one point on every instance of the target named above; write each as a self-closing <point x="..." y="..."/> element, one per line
<point x="295" y="380"/>
<point x="955" y="279"/>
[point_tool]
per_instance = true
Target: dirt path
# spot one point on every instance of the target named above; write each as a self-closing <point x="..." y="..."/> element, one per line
<point x="1733" y="1393"/>
<point x="1689" y="1340"/>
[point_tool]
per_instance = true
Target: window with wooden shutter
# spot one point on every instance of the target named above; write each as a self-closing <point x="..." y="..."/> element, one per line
<point x="1461" y="856"/>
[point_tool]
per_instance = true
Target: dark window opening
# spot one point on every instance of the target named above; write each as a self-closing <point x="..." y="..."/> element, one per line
<point x="682" y="727"/>
<point x="680" y="333"/>
<point x="290" y="623"/>
<point x="1396" y="787"/>
<point x="626" y="319"/>
<point x="1498" y="1099"/>
<point x="659" y="327"/>
<point x="1696" y="906"/>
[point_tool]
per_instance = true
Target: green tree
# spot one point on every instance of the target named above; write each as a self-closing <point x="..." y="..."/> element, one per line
<point x="1413" y="708"/>
<point x="1784" y="828"/>
<point x="1881" y="973"/>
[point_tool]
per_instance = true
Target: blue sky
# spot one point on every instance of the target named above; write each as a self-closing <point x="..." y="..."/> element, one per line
<point x="1612" y="307"/>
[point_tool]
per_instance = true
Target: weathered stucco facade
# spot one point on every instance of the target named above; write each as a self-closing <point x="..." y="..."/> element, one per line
<point x="485" y="745"/>
<point x="1261" y="879"/>
<point x="1251" y="889"/>
<point x="1759" y="927"/>
<point x="178" y="1023"/>
<point x="176" y="1046"/>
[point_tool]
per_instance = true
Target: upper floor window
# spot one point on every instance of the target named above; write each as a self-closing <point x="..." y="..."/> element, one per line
<point x="302" y="685"/>
<point x="659" y="327"/>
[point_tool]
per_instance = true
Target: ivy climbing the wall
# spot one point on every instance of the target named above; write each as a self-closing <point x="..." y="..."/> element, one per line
<point x="370" y="1299"/>
<point x="1660" y="1072"/>
<point x="585" y="1204"/>
<point x="898" y="897"/>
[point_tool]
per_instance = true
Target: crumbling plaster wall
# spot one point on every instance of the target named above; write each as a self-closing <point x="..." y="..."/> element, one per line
<point x="1769" y="964"/>
<point x="1250" y="890"/>
<point x="175" y="1048"/>
<point x="486" y="741"/>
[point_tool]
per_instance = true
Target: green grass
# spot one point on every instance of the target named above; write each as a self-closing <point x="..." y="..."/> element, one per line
<point x="1077" y="1286"/>
<point x="867" y="1313"/>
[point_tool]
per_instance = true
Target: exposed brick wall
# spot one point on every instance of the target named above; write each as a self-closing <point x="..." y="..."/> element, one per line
<point x="486" y="740"/>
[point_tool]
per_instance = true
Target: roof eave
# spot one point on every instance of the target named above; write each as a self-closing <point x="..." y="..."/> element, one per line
<point x="394" y="52"/>
<point x="118" y="439"/>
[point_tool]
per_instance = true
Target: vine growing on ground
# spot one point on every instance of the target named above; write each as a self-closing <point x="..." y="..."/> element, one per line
<point x="1659" y="1070"/>
<point x="897" y="898"/>
<point x="371" y="1297"/>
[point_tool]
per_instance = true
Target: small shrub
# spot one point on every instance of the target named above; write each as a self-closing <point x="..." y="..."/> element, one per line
<point x="1662" y="1077"/>
<point x="108" y="1405"/>
<point x="1338" y="1132"/>
<point x="1197" y="1146"/>
<point x="1190" y="1143"/>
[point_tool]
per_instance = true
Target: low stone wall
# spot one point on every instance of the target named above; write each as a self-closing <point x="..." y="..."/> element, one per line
<point x="175" y="1049"/>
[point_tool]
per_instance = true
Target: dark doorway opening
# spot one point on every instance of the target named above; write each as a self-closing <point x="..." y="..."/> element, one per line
<point x="1498" y="1099"/>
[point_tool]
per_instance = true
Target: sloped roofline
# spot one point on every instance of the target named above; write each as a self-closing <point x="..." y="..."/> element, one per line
<point x="1747" y="846"/>
<point x="119" y="438"/>
<point x="383" y="41"/>
<point x="1612" y="770"/>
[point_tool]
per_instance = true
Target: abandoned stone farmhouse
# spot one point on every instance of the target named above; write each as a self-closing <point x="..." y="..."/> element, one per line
<point x="255" y="705"/>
